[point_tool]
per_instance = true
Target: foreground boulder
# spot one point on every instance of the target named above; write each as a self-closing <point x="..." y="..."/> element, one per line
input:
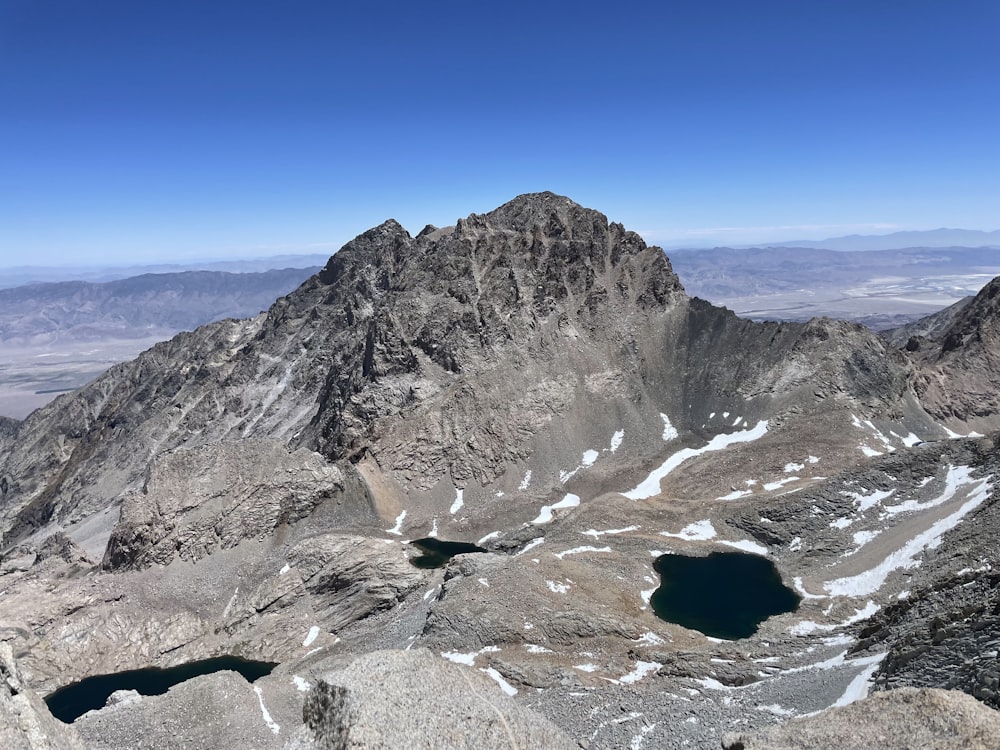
<point x="413" y="699"/>
<point x="25" y="721"/>
<point x="906" y="718"/>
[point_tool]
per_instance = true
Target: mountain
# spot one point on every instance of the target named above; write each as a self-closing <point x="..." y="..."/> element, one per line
<point x="910" y="239"/>
<point x="958" y="380"/>
<point x="56" y="337"/>
<point x="536" y="382"/>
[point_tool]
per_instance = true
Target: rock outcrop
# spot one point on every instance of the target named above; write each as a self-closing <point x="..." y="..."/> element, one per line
<point x="25" y="721"/>
<point x="392" y="699"/>
<point x="959" y="371"/>
<point x="897" y="720"/>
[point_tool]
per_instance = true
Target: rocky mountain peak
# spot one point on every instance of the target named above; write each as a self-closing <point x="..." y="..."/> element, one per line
<point x="958" y="377"/>
<point x="556" y="216"/>
<point x="979" y="322"/>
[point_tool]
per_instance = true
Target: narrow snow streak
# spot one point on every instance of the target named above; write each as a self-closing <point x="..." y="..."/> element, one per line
<point x="498" y="678"/>
<point x="595" y="533"/>
<point x="650" y="486"/>
<point x="398" y="528"/>
<point x="859" y="686"/>
<point x="271" y="724"/>
<point x="905" y="557"/>
<point x="578" y="550"/>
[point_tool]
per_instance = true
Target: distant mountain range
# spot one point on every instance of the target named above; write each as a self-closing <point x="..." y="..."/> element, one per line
<point x="134" y="307"/>
<point x="899" y="240"/>
<point x="21" y="275"/>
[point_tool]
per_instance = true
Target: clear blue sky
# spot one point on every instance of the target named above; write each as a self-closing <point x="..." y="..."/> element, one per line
<point x="143" y="130"/>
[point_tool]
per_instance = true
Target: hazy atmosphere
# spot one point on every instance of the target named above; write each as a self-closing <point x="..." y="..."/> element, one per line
<point x="142" y="132"/>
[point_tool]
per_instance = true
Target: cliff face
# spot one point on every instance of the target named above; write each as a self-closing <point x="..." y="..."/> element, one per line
<point x="958" y="378"/>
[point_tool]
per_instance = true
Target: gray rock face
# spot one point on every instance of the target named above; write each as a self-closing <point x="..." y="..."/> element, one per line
<point x="25" y="721"/>
<point x="393" y="699"/>
<point x="212" y="497"/>
<point x="959" y="373"/>
<point x="900" y="719"/>
<point x="220" y="710"/>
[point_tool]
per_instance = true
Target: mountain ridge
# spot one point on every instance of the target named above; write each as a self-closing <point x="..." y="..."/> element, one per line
<point x="535" y="380"/>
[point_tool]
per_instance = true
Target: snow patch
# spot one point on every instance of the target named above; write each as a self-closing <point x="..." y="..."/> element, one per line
<point x="870" y="452"/>
<point x="801" y="589"/>
<point x="586" y="667"/>
<point x="458" y="503"/>
<point x="616" y="440"/>
<point x="650" y="486"/>
<point x="746" y="545"/>
<point x="545" y="514"/>
<point x="808" y="626"/>
<point x="398" y="528"/>
<point x="859" y="686"/>
<point x="735" y="495"/>
<point x="526" y="481"/>
<point x="300" y="684"/>
<point x="499" y="680"/>
<point x="792" y="466"/>
<point x="434" y="529"/>
<point x="694" y="532"/>
<point x="578" y="550"/>
<point x="271" y="724"/>
<point x="669" y="431"/>
<point x="536" y="649"/>
<point x="866" y="502"/>
<point x="778" y="484"/>
<point x="284" y="569"/>
<point x="905" y="557"/>
<point x="595" y="533"/>
<point x="460" y="658"/>
<point x="589" y="457"/>
<point x="642" y="668"/>
<point x="650" y="638"/>
<point x="491" y="535"/>
<point x="532" y="544"/>
<point x="311" y="636"/>
<point x="557" y="588"/>
<point x="956" y="478"/>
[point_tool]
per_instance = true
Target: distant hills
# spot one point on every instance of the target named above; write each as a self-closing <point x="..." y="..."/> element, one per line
<point x="21" y="275"/>
<point x="897" y="240"/>
<point x="135" y="306"/>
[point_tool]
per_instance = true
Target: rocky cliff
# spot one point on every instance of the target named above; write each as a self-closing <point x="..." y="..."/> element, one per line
<point x="959" y="370"/>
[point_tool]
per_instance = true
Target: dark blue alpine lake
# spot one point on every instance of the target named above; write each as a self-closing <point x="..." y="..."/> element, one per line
<point x="724" y="595"/>
<point x="69" y="703"/>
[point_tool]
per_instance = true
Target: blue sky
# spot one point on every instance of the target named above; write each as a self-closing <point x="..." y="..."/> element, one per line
<point x="144" y="131"/>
